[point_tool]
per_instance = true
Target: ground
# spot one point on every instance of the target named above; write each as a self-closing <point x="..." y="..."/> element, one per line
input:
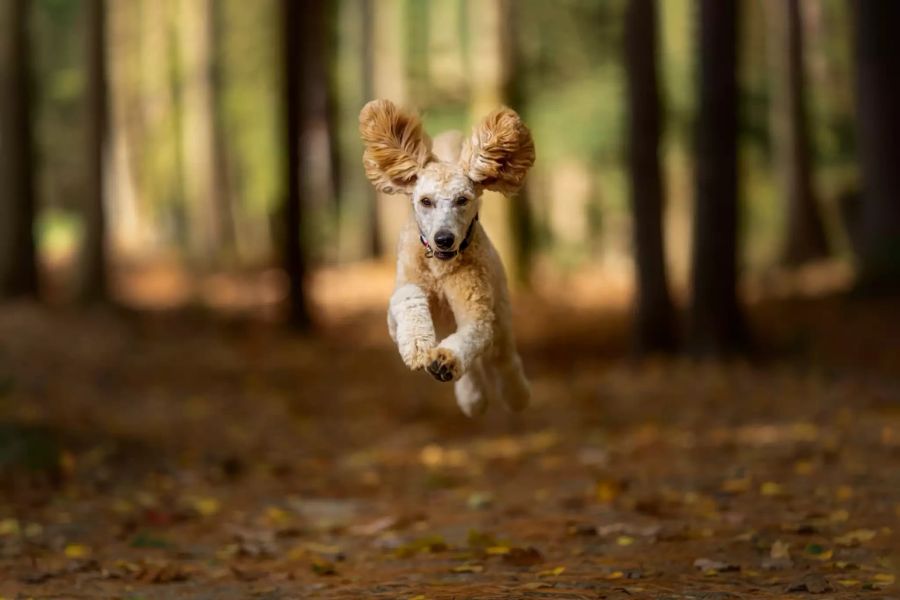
<point x="179" y="455"/>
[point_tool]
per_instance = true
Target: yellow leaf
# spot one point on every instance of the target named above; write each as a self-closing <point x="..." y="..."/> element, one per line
<point x="625" y="540"/>
<point x="849" y="582"/>
<point x="76" y="551"/>
<point x="616" y="575"/>
<point x="468" y="569"/>
<point x="9" y="527"/>
<point x="736" y="486"/>
<point x="804" y="467"/>
<point x="857" y="536"/>
<point x="770" y="488"/>
<point x="839" y="516"/>
<point x="497" y="550"/>
<point x="780" y="550"/>
<point x="607" y="491"/>
<point x="884" y="578"/>
<point x="206" y="506"/>
<point x="555" y="572"/>
<point x="843" y="492"/>
<point x="277" y="516"/>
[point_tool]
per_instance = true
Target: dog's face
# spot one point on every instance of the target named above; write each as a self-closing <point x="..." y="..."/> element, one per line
<point x="446" y="196"/>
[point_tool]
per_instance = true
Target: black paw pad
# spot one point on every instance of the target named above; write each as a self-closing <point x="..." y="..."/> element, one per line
<point x="440" y="371"/>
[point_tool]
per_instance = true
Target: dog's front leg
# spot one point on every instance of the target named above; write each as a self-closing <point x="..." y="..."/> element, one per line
<point x="470" y="300"/>
<point x="410" y="324"/>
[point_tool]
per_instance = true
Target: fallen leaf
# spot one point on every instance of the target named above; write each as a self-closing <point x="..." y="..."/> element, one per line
<point x="468" y="568"/>
<point x="770" y="488"/>
<point x="813" y="583"/>
<point x="323" y="567"/>
<point x="607" y="491"/>
<point x="375" y="527"/>
<point x="168" y="573"/>
<point x="206" y="507"/>
<point x="480" y="500"/>
<point x="76" y="551"/>
<point x="779" y="557"/>
<point x="554" y="572"/>
<point x="884" y="579"/>
<point x="523" y="557"/>
<point x="497" y="550"/>
<point x="855" y="537"/>
<point x="849" y="582"/>
<point x="818" y="552"/>
<point x="624" y="540"/>
<point x="715" y="566"/>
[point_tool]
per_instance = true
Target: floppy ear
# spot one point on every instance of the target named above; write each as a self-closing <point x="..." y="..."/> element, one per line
<point x="499" y="153"/>
<point x="396" y="146"/>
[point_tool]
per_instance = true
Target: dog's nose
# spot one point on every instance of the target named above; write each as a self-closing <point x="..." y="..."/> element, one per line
<point x="444" y="240"/>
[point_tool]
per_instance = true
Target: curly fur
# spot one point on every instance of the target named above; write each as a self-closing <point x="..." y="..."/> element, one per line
<point x="499" y="152"/>
<point x="396" y="146"/>
<point x="466" y="289"/>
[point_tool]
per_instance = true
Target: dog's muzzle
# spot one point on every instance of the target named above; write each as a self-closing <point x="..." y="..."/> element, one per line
<point x="449" y="254"/>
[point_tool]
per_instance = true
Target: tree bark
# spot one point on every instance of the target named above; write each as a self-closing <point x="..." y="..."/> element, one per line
<point x="203" y="185"/>
<point x="805" y="238"/>
<point x="878" y="98"/>
<point x="93" y="283"/>
<point x="18" y="204"/>
<point x="716" y="323"/>
<point x="295" y="23"/>
<point x="654" y="318"/>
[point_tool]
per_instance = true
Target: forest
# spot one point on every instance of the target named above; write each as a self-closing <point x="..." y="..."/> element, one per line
<point x="199" y="396"/>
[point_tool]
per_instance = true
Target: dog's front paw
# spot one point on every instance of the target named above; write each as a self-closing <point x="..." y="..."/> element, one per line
<point x="416" y="353"/>
<point x="444" y="365"/>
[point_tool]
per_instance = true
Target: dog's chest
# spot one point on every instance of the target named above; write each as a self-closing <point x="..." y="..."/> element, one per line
<point x="441" y="315"/>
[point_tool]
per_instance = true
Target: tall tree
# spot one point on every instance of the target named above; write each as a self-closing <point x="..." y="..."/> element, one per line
<point x="18" y="256"/>
<point x="494" y="52"/>
<point x="716" y="323"/>
<point x="655" y="330"/>
<point x="93" y="275"/>
<point x="208" y="210"/>
<point x="878" y="99"/>
<point x="297" y="22"/>
<point x="805" y="234"/>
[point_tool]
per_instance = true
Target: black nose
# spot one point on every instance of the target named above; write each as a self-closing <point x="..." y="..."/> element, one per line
<point x="444" y="240"/>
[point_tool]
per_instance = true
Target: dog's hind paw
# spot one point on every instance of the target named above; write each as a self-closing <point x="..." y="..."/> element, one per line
<point x="444" y="365"/>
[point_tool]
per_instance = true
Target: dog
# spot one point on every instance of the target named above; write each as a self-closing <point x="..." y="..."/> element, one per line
<point x="446" y="265"/>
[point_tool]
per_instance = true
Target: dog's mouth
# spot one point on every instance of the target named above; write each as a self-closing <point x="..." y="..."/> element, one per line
<point x="445" y="254"/>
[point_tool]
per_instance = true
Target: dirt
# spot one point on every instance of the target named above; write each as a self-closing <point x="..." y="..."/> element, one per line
<point x="191" y="456"/>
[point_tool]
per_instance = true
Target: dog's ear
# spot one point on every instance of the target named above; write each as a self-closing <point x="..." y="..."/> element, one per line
<point x="499" y="152"/>
<point x="396" y="146"/>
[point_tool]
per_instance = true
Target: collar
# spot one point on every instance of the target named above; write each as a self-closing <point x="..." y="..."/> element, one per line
<point x="430" y="252"/>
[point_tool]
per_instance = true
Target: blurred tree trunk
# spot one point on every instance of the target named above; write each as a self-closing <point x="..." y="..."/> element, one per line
<point x="296" y="28"/>
<point x="805" y="233"/>
<point x="18" y="256"/>
<point x="716" y="323"/>
<point x="389" y="80"/>
<point x="376" y="244"/>
<point x="92" y="284"/>
<point x="495" y="82"/>
<point x="654" y="329"/>
<point x="204" y="187"/>
<point x="878" y="98"/>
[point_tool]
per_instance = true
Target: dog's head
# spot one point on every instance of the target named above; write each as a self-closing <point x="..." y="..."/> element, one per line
<point x="445" y="195"/>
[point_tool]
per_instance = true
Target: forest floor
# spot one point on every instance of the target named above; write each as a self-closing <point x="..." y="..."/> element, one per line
<point x="178" y="455"/>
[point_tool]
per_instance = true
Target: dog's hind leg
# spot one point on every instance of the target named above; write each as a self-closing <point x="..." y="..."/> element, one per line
<point x="514" y="387"/>
<point x="475" y="390"/>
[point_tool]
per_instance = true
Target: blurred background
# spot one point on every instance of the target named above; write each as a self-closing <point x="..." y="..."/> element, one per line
<point x="146" y="144"/>
<point x="194" y="271"/>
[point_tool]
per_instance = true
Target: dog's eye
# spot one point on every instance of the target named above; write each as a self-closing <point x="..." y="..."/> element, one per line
<point x="426" y="202"/>
<point x="461" y="201"/>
